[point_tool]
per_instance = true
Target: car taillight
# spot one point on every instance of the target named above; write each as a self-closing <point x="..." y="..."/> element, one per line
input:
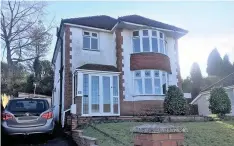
<point x="47" y="115"/>
<point x="6" y="116"/>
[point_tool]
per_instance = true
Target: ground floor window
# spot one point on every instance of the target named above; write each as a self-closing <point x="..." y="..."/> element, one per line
<point x="150" y="82"/>
<point x="100" y="94"/>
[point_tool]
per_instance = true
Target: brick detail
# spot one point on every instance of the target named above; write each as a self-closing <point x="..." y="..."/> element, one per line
<point x="146" y="107"/>
<point x="158" y="139"/>
<point x="78" y="102"/>
<point x="119" y="63"/>
<point x="150" y="61"/>
<point x="67" y="69"/>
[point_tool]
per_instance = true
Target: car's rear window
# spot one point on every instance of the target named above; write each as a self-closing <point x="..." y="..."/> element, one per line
<point x="27" y="105"/>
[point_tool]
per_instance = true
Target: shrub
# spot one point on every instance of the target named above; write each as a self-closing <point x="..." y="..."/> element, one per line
<point x="219" y="102"/>
<point x="175" y="103"/>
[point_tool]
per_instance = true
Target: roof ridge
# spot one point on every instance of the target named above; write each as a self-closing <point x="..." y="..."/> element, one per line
<point x="217" y="82"/>
<point x="90" y="17"/>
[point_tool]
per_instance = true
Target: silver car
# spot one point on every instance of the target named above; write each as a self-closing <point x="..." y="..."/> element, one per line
<point x="27" y="116"/>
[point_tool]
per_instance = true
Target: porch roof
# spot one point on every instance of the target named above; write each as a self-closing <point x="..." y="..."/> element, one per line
<point x="99" y="67"/>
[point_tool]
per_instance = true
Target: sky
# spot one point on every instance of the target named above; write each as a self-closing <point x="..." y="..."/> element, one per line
<point x="210" y="24"/>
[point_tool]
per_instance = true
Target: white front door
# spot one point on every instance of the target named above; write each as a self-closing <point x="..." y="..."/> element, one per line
<point x="100" y="95"/>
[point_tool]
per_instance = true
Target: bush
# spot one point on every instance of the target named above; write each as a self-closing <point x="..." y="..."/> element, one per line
<point x="219" y="102"/>
<point x="175" y="103"/>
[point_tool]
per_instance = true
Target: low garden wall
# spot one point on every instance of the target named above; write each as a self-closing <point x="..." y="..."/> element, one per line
<point x="159" y="135"/>
<point x="81" y="140"/>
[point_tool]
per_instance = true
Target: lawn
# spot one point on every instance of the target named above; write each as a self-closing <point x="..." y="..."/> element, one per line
<point x="199" y="133"/>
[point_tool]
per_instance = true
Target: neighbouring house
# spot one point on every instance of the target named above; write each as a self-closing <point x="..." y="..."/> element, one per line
<point x="202" y="100"/>
<point x="112" y="67"/>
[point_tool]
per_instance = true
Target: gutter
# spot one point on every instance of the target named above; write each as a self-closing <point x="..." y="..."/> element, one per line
<point x="61" y="76"/>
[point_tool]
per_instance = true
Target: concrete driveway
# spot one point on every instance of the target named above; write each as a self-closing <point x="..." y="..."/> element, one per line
<point x="58" y="139"/>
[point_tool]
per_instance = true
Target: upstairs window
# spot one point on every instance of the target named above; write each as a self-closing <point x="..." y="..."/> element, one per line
<point x="149" y="41"/>
<point x="145" y="41"/>
<point x="90" y="40"/>
<point x="136" y="42"/>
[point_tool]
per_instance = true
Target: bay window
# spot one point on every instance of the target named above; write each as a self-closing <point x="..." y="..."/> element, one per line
<point x="150" y="82"/>
<point x="149" y="41"/>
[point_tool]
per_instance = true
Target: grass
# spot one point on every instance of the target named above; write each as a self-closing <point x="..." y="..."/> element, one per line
<point x="219" y="133"/>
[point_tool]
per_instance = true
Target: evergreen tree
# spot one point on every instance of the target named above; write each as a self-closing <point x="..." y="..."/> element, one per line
<point x="187" y="85"/>
<point x="227" y="67"/>
<point x="214" y="63"/>
<point x="196" y="79"/>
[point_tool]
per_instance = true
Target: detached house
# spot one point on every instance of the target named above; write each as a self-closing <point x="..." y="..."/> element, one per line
<point x="113" y="67"/>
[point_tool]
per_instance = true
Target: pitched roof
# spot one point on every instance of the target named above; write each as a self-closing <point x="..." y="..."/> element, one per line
<point x="107" y="22"/>
<point x="102" y="21"/>
<point x="99" y="67"/>
<point x="225" y="82"/>
<point x="149" y="22"/>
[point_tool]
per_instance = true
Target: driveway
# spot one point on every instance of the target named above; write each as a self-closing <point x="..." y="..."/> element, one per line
<point x="38" y="140"/>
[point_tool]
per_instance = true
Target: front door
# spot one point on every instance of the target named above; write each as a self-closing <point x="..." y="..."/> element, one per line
<point x="100" y="95"/>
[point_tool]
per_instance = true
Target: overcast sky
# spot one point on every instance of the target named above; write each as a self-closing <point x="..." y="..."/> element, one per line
<point x="210" y="24"/>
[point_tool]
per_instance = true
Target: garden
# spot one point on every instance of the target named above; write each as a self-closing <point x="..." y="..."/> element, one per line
<point x="219" y="131"/>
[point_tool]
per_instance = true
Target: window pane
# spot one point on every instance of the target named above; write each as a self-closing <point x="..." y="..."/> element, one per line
<point x="136" y="33"/>
<point x="154" y="33"/>
<point x="145" y="32"/>
<point x="164" y="82"/>
<point x="94" y="44"/>
<point x="136" y="45"/>
<point x="154" y="44"/>
<point x="115" y="105"/>
<point x="106" y="94"/>
<point x="162" y="47"/>
<point x="147" y="73"/>
<point x="115" y="86"/>
<point x="137" y="73"/>
<point x="95" y="94"/>
<point x="138" y="86"/>
<point x="146" y="46"/>
<point x="86" y="33"/>
<point x="156" y="73"/>
<point x="85" y="94"/>
<point x="161" y="35"/>
<point x="94" y="34"/>
<point x="75" y="85"/>
<point x="157" y="86"/>
<point x="86" y="42"/>
<point x="148" y="86"/>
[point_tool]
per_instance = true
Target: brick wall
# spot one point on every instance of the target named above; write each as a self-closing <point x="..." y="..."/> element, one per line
<point x="78" y="102"/>
<point x="67" y="69"/>
<point x="120" y="65"/>
<point x="146" y="107"/>
<point x="168" y="139"/>
<point x="150" y="61"/>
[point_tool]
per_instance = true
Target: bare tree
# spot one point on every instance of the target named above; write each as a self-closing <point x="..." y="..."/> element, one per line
<point x="18" y="19"/>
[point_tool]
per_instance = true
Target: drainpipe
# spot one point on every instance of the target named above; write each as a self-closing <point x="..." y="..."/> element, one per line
<point x="61" y="77"/>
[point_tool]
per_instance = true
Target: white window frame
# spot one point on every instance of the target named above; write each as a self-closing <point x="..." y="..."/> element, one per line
<point x="150" y="41"/>
<point x="100" y="75"/>
<point x="153" y="82"/>
<point x="136" y="37"/>
<point x="90" y="42"/>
